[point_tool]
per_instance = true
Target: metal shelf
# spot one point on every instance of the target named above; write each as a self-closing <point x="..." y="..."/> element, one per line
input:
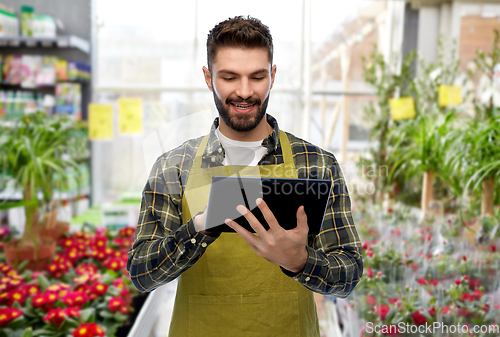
<point x="69" y="41"/>
<point x="14" y="194"/>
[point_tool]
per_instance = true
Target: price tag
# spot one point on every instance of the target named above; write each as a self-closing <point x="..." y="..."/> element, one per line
<point x="450" y="95"/>
<point x="402" y="108"/>
<point x="130" y="115"/>
<point x="100" y="121"/>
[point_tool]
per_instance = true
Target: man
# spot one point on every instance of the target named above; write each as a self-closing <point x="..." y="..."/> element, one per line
<point x="241" y="284"/>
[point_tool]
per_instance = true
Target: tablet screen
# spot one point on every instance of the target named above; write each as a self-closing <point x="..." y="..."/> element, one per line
<point x="283" y="196"/>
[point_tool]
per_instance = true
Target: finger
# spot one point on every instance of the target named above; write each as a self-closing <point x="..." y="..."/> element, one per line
<point x="268" y="215"/>
<point x="302" y="219"/>
<point x="251" y="239"/>
<point x="252" y="220"/>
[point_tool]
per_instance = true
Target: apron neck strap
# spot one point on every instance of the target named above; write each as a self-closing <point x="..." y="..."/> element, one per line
<point x="286" y="150"/>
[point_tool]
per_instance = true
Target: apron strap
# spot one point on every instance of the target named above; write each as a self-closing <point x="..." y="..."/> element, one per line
<point x="199" y="154"/>
<point x="286" y="149"/>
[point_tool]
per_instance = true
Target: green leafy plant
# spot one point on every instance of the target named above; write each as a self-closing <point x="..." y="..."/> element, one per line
<point x="389" y="83"/>
<point x="33" y="150"/>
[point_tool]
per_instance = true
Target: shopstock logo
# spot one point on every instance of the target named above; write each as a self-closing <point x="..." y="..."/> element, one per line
<point x="436" y="328"/>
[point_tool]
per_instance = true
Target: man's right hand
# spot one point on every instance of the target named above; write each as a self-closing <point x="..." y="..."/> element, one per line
<point x="199" y="222"/>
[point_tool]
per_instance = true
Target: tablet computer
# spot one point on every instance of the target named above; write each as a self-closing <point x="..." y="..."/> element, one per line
<point x="283" y="196"/>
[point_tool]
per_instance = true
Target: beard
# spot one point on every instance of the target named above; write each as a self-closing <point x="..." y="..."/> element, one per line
<point x="242" y="122"/>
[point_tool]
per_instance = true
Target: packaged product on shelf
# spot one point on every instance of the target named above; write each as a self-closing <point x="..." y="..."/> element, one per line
<point x="9" y="24"/>
<point x="47" y="73"/>
<point x="78" y="71"/>
<point x="27" y="17"/>
<point x="46" y="103"/>
<point x="31" y="65"/>
<point x="12" y="69"/>
<point x="62" y="70"/>
<point x="68" y="99"/>
<point x="44" y="26"/>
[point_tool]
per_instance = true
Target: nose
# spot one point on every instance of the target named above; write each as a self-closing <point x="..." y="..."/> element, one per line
<point x="244" y="89"/>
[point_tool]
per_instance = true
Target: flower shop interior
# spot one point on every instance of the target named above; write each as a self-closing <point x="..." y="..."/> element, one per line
<point x="404" y="93"/>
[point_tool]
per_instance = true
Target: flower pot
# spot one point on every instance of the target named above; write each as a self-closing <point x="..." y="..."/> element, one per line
<point x="38" y="256"/>
<point x="56" y="232"/>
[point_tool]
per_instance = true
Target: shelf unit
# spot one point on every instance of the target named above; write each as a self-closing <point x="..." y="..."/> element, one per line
<point x="72" y="44"/>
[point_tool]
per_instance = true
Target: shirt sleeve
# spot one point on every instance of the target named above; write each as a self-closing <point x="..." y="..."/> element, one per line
<point x="335" y="263"/>
<point x="163" y="247"/>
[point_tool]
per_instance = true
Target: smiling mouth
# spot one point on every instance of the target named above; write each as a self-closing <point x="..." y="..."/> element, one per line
<point x="243" y="106"/>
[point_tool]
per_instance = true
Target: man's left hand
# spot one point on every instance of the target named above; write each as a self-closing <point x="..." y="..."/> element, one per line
<point x="286" y="248"/>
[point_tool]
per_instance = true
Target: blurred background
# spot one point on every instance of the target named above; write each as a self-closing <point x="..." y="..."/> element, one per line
<point x="404" y="93"/>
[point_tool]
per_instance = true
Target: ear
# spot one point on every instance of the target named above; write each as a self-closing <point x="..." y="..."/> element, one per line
<point x="273" y="74"/>
<point x="208" y="78"/>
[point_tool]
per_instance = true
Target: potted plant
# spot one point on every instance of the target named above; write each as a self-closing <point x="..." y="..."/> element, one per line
<point x="33" y="151"/>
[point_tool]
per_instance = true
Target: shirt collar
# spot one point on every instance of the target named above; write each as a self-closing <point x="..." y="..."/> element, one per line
<point x="214" y="151"/>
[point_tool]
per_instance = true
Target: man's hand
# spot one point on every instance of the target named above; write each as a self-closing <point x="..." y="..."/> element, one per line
<point x="199" y="222"/>
<point x="286" y="248"/>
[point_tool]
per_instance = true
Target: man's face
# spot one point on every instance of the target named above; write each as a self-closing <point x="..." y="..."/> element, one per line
<point x="241" y="80"/>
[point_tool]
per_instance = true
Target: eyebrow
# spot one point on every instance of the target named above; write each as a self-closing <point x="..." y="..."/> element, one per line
<point x="223" y="71"/>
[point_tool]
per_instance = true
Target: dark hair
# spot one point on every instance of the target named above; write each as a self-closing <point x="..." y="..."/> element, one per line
<point x="239" y="32"/>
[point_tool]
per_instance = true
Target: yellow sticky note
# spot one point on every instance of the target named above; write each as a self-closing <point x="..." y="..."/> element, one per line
<point x="450" y="95"/>
<point x="402" y="108"/>
<point x="100" y="121"/>
<point x="130" y="115"/>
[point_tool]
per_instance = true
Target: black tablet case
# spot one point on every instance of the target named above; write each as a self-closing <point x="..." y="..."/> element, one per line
<point x="283" y="196"/>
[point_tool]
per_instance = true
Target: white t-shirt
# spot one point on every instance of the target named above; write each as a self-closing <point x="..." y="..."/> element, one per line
<point x="241" y="153"/>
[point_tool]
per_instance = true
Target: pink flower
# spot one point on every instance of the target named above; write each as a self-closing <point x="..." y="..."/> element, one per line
<point x="369" y="272"/>
<point x="369" y="253"/>
<point x="458" y="282"/>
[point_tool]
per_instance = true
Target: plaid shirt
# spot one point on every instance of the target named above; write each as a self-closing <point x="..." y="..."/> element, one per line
<point x="166" y="245"/>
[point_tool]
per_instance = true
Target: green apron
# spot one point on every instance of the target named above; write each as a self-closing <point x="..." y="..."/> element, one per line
<point x="231" y="291"/>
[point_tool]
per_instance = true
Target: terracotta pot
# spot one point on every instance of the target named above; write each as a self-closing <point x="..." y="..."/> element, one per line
<point x="38" y="256"/>
<point x="56" y="232"/>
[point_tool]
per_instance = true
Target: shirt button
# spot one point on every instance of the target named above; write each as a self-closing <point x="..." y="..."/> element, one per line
<point x="204" y="244"/>
<point x="213" y="159"/>
<point x="193" y="240"/>
<point x="307" y="279"/>
<point x="220" y="150"/>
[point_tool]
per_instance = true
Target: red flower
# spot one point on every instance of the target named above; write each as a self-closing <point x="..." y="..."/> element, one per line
<point x="382" y="311"/>
<point x="8" y="314"/>
<point x="464" y="258"/>
<point x="486" y="307"/>
<point x="369" y="253"/>
<point x="434" y="282"/>
<point x="118" y="283"/>
<point x="55" y="316"/>
<point x="118" y="304"/>
<point x="446" y="310"/>
<point x="432" y="311"/>
<point x="474" y="283"/>
<point x="467" y="297"/>
<point x="477" y="294"/>
<point x="126" y="231"/>
<point x="493" y="248"/>
<point x="458" y="282"/>
<point x="423" y="281"/>
<point x="390" y="210"/>
<point x="418" y="318"/>
<point x="370" y="300"/>
<point x="464" y="312"/>
<point x="17" y="295"/>
<point x="75" y="299"/>
<point x="369" y="272"/>
<point x="99" y="289"/>
<point x="88" y="330"/>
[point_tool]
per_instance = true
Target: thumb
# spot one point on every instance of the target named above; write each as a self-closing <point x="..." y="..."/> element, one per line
<point x="302" y="219"/>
